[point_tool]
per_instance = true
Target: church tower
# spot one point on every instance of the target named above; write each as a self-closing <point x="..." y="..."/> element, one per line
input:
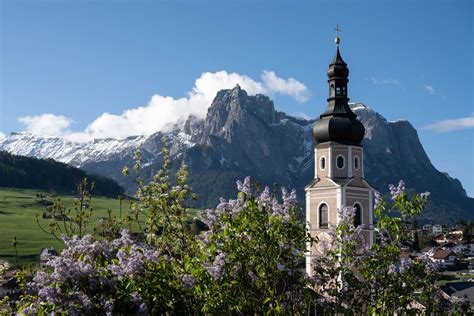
<point x="338" y="163"/>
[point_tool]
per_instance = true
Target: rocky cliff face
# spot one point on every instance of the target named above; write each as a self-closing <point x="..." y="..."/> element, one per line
<point x="244" y="135"/>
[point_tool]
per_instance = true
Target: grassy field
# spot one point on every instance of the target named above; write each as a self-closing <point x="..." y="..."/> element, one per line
<point x="18" y="209"/>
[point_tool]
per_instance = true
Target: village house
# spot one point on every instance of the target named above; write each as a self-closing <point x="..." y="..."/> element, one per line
<point x="468" y="247"/>
<point x="453" y="237"/>
<point x="428" y="228"/>
<point x="444" y="258"/>
<point x="437" y="229"/>
<point x="460" y="248"/>
<point x="449" y="246"/>
<point x="440" y="239"/>
<point x="456" y="232"/>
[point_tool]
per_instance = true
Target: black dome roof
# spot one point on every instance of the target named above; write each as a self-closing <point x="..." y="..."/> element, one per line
<point x="338" y="123"/>
<point x="338" y="129"/>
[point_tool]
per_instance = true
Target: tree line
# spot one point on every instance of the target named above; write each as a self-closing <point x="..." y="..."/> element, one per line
<point x="48" y="174"/>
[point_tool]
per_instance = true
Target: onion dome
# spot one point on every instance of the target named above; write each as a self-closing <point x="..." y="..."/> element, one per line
<point x="338" y="68"/>
<point x="338" y="123"/>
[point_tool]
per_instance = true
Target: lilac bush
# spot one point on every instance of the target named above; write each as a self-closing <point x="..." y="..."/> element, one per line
<point x="255" y="254"/>
<point x="87" y="276"/>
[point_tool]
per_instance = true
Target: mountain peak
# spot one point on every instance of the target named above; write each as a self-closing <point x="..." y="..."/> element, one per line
<point x="236" y="88"/>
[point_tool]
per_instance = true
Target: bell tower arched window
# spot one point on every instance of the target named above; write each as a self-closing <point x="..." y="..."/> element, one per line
<point x="340" y="162"/>
<point x="357" y="215"/>
<point x="323" y="216"/>
<point x="356" y="162"/>
<point x="338" y="91"/>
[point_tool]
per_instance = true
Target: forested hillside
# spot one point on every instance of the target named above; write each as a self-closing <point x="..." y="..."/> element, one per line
<point x="47" y="174"/>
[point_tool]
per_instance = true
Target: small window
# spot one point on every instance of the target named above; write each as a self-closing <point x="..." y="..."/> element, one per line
<point x="356" y="162"/>
<point x="357" y="215"/>
<point x="332" y="90"/>
<point x="340" y="162"/>
<point x="323" y="216"/>
<point x="322" y="163"/>
<point x="343" y="90"/>
<point x="338" y="91"/>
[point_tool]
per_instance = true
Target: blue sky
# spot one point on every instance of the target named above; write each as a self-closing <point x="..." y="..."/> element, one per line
<point x="77" y="60"/>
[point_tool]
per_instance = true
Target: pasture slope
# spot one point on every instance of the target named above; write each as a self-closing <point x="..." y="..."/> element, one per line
<point x="18" y="209"/>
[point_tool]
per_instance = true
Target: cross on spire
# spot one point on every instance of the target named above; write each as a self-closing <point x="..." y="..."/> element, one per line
<point x="337" y="29"/>
<point x="337" y="40"/>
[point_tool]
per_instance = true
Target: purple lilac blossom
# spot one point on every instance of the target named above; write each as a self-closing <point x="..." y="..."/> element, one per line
<point x="396" y="191"/>
<point x="425" y="194"/>
<point x="77" y="281"/>
<point x="378" y="198"/>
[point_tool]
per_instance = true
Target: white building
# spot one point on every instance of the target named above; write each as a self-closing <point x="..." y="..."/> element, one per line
<point x="437" y="229"/>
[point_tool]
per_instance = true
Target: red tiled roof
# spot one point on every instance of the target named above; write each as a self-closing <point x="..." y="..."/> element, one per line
<point x="443" y="254"/>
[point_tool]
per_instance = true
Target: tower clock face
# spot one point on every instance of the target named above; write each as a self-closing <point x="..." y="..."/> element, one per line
<point x="324" y="242"/>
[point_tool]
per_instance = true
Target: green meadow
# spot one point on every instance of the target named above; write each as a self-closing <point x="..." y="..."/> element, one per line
<point x="18" y="209"/>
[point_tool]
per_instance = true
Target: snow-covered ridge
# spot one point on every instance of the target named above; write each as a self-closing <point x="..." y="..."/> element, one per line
<point x="69" y="152"/>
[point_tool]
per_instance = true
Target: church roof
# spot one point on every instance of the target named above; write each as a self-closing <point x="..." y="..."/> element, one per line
<point x="338" y="123"/>
<point x="338" y="68"/>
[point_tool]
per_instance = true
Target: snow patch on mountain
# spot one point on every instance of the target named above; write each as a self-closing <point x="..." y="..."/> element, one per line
<point x="69" y="152"/>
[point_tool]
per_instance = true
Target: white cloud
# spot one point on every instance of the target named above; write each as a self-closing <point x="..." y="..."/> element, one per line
<point x="429" y="88"/>
<point x="163" y="111"/>
<point x="46" y="124"/>
<point x="2" y="136"/>
<point x="445" y="126"/>
<point x="291" y="86"/>
<point x="389" y="81"/>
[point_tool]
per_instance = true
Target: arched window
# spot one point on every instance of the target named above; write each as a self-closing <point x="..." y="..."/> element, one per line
<point x="331" y="93"/>
<point x="357" y="215"/>
<point x="323" y="216"/>
<point x="338" y="91"/>
<point x="356" y="163"/>
<point x="322" y="163"/>
<point x="343" y="90"/>
<point x="340" y="162"/>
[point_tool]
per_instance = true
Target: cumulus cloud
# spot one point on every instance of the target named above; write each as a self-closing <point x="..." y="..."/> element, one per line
<point x="2" y="136"/>
<point x="46" y="124"/>
<point x="291" y="86"/>
<point x="429" y="89"/>
<point x="163" y="111"/>
<point x="445" y="126"/>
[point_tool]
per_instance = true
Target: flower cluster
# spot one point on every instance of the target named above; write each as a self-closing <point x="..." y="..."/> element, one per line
<point x="395" y="191"/>
<point x="4" y="266"/>
<point x="266" y="201"/>
<point x="255" y="245"/>
<point x="87" y="275"/>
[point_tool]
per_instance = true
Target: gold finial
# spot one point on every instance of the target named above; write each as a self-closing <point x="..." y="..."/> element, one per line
<point x="337" y="40"/>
